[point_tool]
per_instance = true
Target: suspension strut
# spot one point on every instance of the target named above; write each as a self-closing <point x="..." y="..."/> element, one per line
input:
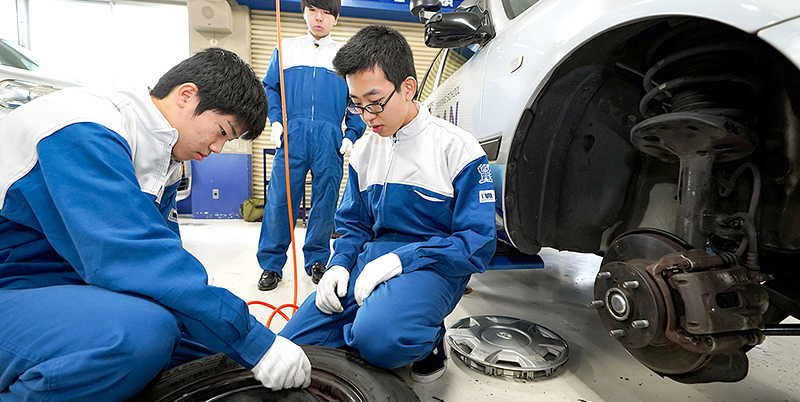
<point x="698" y="111"/>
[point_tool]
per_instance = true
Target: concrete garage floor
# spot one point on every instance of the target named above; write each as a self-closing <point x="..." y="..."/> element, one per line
<point x="599" y="369"/>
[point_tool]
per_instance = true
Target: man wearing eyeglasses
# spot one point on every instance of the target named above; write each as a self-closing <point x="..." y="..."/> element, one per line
<point x="417" y="219"/>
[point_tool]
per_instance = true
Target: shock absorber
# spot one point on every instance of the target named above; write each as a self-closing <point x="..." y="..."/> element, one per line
<point x="698" y="111"/>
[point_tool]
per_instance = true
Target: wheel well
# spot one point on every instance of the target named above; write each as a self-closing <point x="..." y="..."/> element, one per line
<point x="574" y="181"/>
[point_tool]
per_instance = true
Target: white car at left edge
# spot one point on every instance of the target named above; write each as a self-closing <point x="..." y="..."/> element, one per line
<point x="23" y="79"/>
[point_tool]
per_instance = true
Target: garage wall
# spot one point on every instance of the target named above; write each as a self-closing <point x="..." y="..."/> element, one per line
<point x="238" y="40"/>
<point x="263" y="41"/>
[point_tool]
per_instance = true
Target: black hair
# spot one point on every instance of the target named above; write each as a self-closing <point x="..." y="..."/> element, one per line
<point x="376" y="45"/>
<point x="331" y="6"/>
<point x="225" y="83"/>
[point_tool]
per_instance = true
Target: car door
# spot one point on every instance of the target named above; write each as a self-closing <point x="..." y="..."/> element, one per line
<point x="452" y="87"/>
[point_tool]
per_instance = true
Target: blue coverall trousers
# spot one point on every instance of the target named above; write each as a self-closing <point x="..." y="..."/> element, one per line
<point x="85" y="343"/>
<point x="400" y="322"/>
<point x="314" y="146"/>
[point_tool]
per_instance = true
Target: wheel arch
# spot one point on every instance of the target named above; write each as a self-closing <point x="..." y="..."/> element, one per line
<point x="581" y="183"/>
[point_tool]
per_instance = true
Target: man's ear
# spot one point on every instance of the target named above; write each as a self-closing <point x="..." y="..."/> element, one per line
<point x="185" y="94"/>
<point x="410" y="85"/>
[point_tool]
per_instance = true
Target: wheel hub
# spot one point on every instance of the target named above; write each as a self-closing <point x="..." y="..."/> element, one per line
<point x="617" y="304"/>
<point x="633" y="310"/>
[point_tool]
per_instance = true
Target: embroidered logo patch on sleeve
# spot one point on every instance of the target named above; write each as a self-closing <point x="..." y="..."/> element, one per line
<point x="486" y="173"/>
<point x="486" y="196"/>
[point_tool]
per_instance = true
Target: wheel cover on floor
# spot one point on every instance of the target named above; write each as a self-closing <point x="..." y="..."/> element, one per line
<point x="627" y="305"/>
<point x="506" y="346"/>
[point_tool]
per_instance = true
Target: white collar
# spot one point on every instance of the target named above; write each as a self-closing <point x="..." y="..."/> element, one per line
<point x="417" y="125"/>
<point x="324" y="41"/>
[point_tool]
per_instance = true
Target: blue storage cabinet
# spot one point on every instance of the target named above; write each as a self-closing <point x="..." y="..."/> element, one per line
<point x="220" y="183"/>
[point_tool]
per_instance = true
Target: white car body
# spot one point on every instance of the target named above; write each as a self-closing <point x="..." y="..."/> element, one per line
<point x="627" y="128"/>
<point x="22" y="78"/>
<point x="493" y="107"/>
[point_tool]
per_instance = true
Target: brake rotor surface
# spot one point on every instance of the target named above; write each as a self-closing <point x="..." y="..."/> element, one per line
<point x="505" y="346"/>
<point x="626" y="261"/>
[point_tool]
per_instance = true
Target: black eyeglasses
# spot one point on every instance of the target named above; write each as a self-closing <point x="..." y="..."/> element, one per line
<point x="373" y="108"/>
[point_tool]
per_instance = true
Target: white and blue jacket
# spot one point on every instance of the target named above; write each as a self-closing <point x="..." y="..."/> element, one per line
<point x="87" y="197"/>
<point x="425" y="194"/>
<point x="313" y="90"/>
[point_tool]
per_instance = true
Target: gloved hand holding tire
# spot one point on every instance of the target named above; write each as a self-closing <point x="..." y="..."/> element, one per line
<point x="285" y="365"/>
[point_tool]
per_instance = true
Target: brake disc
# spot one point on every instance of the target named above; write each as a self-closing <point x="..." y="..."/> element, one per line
<point x="633" y="307"/>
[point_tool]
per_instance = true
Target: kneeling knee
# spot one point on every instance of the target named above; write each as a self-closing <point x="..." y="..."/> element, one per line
<point x="384" y="350"/>
<point x="149" y="339"/>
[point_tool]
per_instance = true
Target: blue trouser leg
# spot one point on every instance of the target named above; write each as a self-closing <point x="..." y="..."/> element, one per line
<point x="82" y="343"/>
<point x="326" y="169"/>
<point x="186" y="351"/>
<point x="309" y="326"/>
<point x="275" y="236"/>
<point x="399" y="323"/>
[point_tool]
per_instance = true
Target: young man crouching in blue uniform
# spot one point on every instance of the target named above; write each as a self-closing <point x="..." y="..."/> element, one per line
<point x="417" y="219"/>
<point x="97" y="293"/>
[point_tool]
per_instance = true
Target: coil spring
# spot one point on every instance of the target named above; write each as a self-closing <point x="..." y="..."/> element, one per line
<point x="713" y="74"/>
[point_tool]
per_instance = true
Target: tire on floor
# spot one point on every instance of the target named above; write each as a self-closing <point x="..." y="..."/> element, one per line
<point x="336" y="374"/>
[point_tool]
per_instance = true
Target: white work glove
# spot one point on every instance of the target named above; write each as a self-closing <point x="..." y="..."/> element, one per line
<point x="376" y="271"/>
<point x="346" y="147"/>
<point x="285" y="365"/>
<point x="333" y="282"/>
<point x="276" y="135"/>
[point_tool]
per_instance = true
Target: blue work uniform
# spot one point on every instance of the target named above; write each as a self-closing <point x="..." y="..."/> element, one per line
<point x="96" y="291"/>
<point x="425" y="194"/>
<point x="316" y="101"/>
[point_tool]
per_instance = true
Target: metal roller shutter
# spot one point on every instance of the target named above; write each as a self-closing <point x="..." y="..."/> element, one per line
<point x="264" y="39"/>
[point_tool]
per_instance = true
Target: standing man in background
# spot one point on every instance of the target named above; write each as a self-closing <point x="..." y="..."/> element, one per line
<point x="316" y="99"/>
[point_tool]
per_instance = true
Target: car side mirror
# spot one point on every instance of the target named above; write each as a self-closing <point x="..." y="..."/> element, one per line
<point x="424" y="8"/>
<point x="457" y="29"/>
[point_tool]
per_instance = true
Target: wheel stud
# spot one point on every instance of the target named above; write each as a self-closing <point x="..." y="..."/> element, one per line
<point x="597" y="303"/>
<point x="617" y="333"/>
<point x="630" y="284"/>
<point x="640" y="324"/>
<point x="604" y="275"/>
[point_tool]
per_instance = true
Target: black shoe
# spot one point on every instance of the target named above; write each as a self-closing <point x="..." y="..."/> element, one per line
<point x="269" y="280"/>
<point x="317" y="270"/>
<point x="431" y="367"/>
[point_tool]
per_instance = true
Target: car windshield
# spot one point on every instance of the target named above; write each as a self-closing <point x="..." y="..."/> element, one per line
<point x="11" y="57"/>
<point x="516" y="7"/>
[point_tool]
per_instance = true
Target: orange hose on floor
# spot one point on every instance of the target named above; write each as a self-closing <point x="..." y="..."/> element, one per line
<point x="276" y="310"/>
<point x="288" y="182"/>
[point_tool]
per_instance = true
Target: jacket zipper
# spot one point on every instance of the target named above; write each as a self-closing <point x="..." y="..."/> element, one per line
<point x="386" y="175"/>
<point x="314" y="80"/>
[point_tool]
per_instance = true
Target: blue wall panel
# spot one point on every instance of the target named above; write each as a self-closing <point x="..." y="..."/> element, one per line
<point x="226" y="177"/>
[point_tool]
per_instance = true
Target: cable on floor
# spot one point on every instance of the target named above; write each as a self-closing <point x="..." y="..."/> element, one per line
<point x="293" y="305"/>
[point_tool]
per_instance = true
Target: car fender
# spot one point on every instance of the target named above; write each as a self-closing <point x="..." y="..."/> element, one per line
<point x="785" y="38"/>
<point x="571" y="23"/>
<point x="511" y="70"/>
